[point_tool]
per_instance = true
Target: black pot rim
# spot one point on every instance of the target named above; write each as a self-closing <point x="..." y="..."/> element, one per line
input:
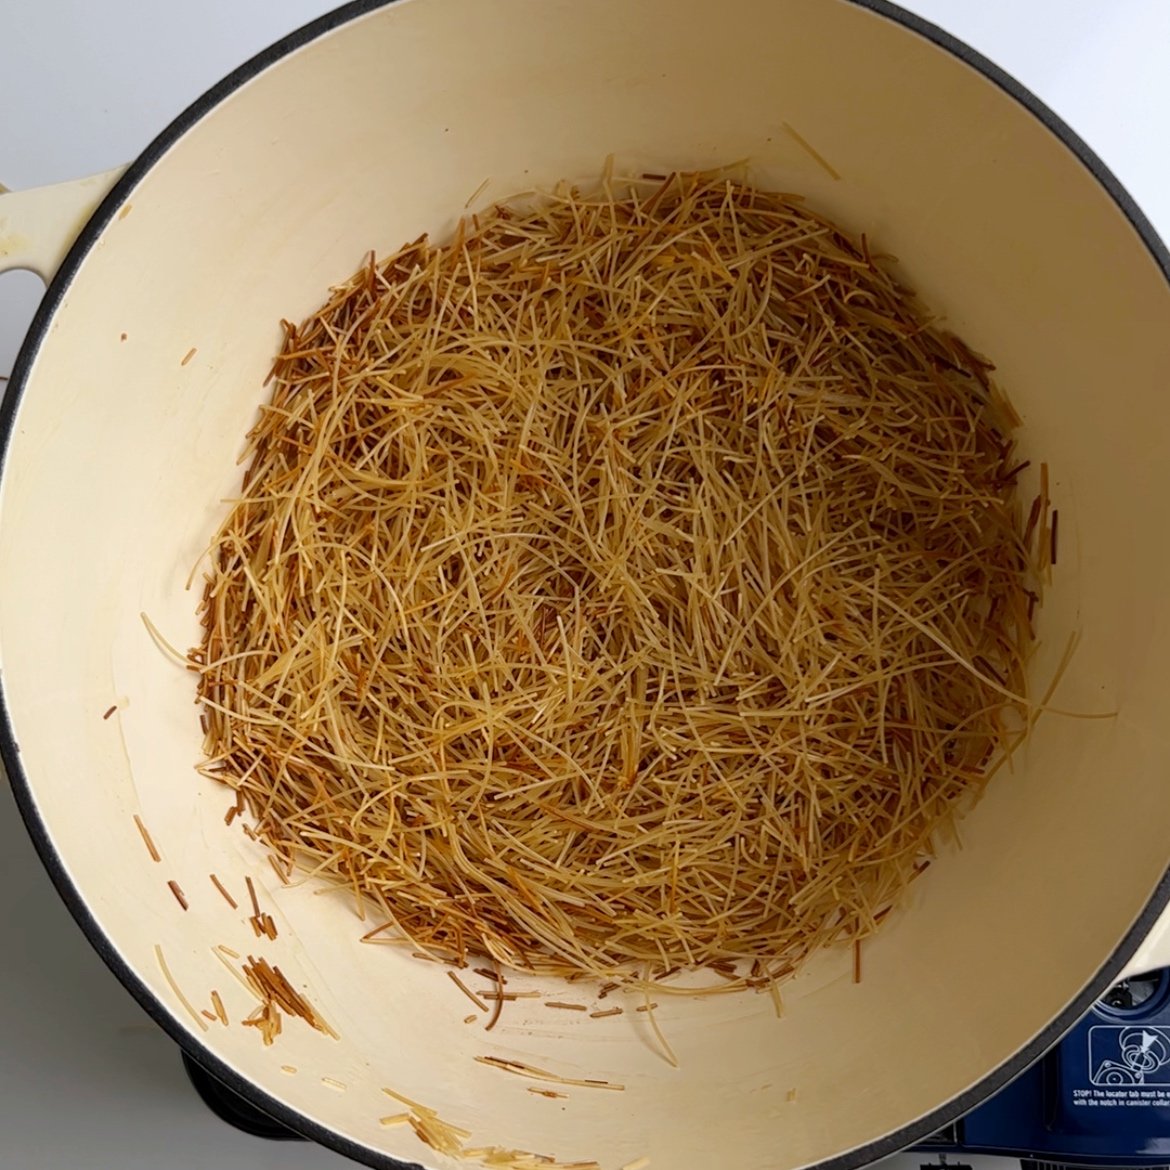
<point x="22" y="787"/>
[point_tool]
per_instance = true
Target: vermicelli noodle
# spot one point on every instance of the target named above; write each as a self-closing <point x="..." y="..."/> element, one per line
<point x="635" y="582"/>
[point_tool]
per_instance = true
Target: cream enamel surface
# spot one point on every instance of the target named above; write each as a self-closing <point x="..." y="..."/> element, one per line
<point x="121" y="456"/>
<point x="38" y="226"/>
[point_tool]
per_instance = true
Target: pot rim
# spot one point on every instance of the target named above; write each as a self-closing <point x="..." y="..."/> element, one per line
<point x="22" y="787"/>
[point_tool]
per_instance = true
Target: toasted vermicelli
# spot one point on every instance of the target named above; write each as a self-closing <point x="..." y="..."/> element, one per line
<point x="633" y="583"/>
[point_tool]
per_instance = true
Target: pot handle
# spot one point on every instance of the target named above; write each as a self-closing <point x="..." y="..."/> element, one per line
<point x="38" y="226"/>
<point x="1154" y="951"/>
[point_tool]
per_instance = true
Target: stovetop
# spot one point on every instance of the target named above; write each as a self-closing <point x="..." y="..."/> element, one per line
<point x="86" y="1079"/>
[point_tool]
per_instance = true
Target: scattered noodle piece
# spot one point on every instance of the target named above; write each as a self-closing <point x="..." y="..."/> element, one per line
<point x="401" y="1099"/>
<point x="262" y="923"/>
<point x="815" y="155"/>
<point x="497" y="1009"/>
<point x="451" y="1140"/>
<point x="267" y="1020"/>
<point x="220" y="1010"/>
<point x="606" y="1012"/>
<point x="483" y="1007"/>
<point x="164" y="645"/>
<point x="166" y="971"/>
<point x="177" y="890"/>
<point x="504" y="1159"/>
<point x="663" y="1043"/>
<point x="223" y="891"/>
<point x="333" y="1083"/>
<point x="281" y="876"/>
<point x="221" y="954"/>
<point x="438" y="1134"/>
<point x="777" y="998"/>
<point x="278" y="995"/>
<point x="567" y="1007"/>
<point x="477" y="192"/>
<point x="430" y="1127"/>
<point x="147" y="840"/>
<point x="539" y="1074"/>
<point x="1033" y="518"/>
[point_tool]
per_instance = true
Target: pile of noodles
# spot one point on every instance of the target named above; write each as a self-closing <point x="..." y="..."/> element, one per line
<point x="634" y="583"/>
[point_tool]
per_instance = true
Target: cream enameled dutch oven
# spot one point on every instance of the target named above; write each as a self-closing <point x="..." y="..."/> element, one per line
<point x="143" y="370"/>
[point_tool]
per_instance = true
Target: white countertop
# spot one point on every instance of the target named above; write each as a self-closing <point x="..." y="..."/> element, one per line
<point x="86" y="1080"/>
